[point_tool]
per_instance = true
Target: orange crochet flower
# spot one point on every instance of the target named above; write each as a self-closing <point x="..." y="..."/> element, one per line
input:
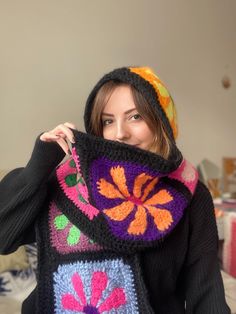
<point x="138" y="200"/>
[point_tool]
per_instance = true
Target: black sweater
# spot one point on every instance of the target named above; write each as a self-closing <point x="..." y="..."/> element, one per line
<point x="184" y="269"/>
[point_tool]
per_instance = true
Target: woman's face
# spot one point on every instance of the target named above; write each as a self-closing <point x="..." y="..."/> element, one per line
<point x="122" y="122"/>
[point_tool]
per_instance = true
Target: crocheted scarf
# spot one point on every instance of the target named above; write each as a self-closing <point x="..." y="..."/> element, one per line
<point x="109" y="201"/>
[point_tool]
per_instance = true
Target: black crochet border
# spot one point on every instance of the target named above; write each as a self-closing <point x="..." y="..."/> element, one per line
<point x="93" y="146"/>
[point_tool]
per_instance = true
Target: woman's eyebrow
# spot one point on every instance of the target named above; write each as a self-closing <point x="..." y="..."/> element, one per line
<point x="107" y="114"/>
<point x="111" y="115"/>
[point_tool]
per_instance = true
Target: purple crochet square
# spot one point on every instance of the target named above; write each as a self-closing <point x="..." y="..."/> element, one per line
<point x="135" y="200"/>
<point x="66" y="237"/>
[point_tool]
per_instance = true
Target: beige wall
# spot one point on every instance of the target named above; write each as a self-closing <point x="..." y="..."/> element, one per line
<point x="53" y="51"/>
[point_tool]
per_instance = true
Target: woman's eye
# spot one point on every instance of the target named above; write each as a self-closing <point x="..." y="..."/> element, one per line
<point x="136" y="116"/>
<point x="106" y="122"/>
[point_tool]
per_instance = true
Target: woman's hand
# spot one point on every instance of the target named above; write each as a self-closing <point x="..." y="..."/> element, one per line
<point x="61" y="135"/>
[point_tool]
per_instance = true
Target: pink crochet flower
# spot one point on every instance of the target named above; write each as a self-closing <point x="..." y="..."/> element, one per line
<point x="98" y="285"/>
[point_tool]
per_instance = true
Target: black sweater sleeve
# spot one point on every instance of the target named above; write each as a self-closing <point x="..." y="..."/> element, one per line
<point x="204" y="286"/>
<point x="22" y="194"/>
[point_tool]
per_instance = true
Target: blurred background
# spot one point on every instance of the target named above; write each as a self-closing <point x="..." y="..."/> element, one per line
<point x="53" y="52"/>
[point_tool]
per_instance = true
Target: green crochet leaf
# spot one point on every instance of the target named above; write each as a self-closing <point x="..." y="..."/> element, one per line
<point x="74" y="236"/>
<point x="61" y="222"/>
<point x="71" y="180"/>
<point x="72" y="163"/>
<point x="82" y="199"/>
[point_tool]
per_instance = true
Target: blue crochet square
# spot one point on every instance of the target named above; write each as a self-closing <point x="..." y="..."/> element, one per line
<point x="95" y="287"/>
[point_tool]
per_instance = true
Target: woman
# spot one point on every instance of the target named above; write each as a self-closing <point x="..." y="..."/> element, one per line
<point x="124" y="225"/>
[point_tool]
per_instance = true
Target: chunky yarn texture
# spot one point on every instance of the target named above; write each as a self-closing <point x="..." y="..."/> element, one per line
<point x="107" y="206"/>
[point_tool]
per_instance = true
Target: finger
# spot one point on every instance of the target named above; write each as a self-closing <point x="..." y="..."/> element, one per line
<point x="62" y="129"/>
<point x="49" y="137"/>
<point x="64" y="146"/>
<point x="70" y="125"/>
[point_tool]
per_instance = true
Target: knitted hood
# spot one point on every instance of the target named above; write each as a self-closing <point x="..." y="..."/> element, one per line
<point x="150" y="86"/>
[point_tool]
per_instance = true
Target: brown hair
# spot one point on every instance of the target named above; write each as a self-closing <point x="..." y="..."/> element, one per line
<point x="161" y="143"/>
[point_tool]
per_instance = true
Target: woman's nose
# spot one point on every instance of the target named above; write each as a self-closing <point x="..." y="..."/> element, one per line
<point x="122" y="132"/>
